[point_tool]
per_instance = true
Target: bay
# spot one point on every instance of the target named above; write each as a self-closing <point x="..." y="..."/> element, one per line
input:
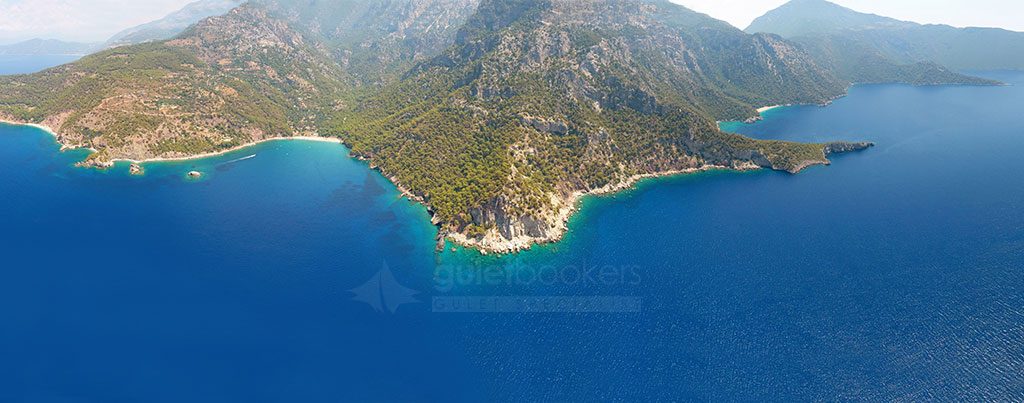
<point x="292" y="272"/>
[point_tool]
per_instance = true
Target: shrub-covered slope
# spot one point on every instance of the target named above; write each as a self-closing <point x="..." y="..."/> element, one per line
<point x="540" y="101"/>
<point x="496" y="114"/>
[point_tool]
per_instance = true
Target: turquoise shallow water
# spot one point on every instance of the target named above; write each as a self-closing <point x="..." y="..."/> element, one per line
<point x="893" y="274"/>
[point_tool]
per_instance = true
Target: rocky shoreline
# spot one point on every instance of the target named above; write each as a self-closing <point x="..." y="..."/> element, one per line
<point x="557" y="225"/>
<point x="529" y="231"/>
<point x="517" y="233"/>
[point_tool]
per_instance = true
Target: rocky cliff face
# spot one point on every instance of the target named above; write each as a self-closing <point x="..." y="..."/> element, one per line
<point x="376" y="41"/>
<point x="667" y="52"/>
<point x="550" y="100"/>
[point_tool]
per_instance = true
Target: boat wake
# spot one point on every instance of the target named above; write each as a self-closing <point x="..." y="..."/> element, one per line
<point x="239" y="159"/>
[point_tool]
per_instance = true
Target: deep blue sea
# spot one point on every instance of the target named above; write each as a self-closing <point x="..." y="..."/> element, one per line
<point x="300" y="275"/>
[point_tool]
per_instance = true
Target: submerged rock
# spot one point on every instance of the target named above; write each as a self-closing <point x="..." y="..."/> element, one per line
<point x="136" y="169"/>
<point x="95" y="163"/>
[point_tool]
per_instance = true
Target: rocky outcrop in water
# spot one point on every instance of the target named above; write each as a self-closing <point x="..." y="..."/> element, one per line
<point x="840" y="147"/>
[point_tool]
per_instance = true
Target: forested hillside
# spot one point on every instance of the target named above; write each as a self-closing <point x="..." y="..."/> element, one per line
<point x="227" y="81"/>
<point x="539" y="101"/>
<point x="496" y="114"/>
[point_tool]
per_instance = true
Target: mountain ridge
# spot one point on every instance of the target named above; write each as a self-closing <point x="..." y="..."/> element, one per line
<point x="822" y="24"/>
<point x="498" y="115"/>
<point x="490" y="96"/>
<point x="161" y="29"/>
<point x="172" y="24"/>
<point x="802" y="17"/>
<point x="39" y="46"/>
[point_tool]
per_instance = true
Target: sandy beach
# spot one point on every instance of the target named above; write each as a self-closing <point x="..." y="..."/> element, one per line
<point x="37" y="126"/>
<point x="232" y="149"/>
<point x="768" y="108"/>
<point x="186" y="158"/>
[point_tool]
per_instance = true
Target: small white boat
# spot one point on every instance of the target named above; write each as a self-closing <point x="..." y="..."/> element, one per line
<point x="241" y="159"/>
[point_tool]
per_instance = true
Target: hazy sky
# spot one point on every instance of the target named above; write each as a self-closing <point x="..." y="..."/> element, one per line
<point x="1007" y="14"/>
<point x="96" y="20"/>
<point x="77" y="20"/>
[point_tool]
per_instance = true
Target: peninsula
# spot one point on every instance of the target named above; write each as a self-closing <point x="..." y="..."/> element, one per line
<point x="497" y="115"/>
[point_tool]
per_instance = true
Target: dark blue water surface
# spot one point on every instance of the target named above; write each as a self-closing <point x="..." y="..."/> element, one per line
<point x="895" y="273"/>
<point x="24" y="64"/>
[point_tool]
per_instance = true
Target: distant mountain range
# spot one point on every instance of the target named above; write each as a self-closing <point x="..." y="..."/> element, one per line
<point x="164" y="28"/>
<point x="802" y="17"/>
<point x="173" y="24"/>
<point x="837" y="32"/>
<point x="48" y="47"/>
<point x="497" y="114"/>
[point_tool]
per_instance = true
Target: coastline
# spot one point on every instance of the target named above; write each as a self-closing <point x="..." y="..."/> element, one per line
<point x="570" y="206"/>
<point x="63" y="146"/>
<point x="35" y="125"/>
<point x="761" y="111"/>
<point x="230" y="150"/>
<point x="50" y="131"/>
<point x="491" y="242"/>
